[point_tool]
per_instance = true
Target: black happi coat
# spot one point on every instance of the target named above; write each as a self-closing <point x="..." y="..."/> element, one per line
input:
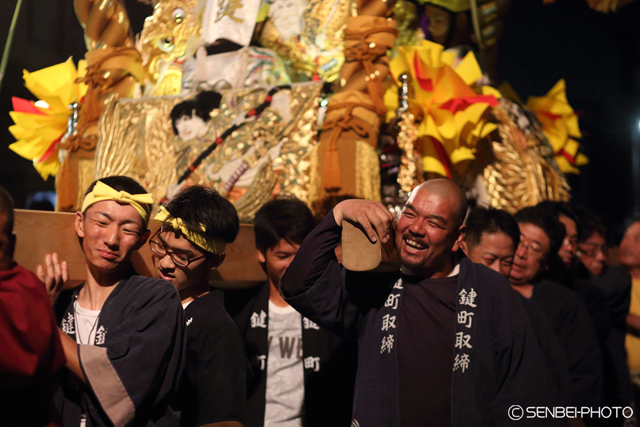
<point x="570" y="320"/>
<point x="504" y="367"/>
<point x="134" y="367"/>
<point x="328" y="381"/>
<point x="215" y="382"/>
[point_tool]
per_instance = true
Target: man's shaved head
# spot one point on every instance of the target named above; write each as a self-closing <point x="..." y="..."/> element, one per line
<point x="447" y="189"/>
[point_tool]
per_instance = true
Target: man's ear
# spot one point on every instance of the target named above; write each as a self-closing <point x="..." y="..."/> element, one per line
<point x="261" y="257"/>
<point x="461" y="232"/>
<point x="143" y="238"/>
<point x="464" y="247"/>
<point x="79" y="224"/>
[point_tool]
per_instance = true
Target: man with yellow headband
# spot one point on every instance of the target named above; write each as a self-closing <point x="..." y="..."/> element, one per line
<point x="122" y="334"/>
<point x="197" y="223"/>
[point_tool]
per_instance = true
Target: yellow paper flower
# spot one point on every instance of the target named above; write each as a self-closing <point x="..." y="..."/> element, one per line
<point x="560" y="125"/>
<point x="39" y="126"/>
<point x="454" y="115"/>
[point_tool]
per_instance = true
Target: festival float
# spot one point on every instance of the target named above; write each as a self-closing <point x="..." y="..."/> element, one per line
<point x="319" y="99"/>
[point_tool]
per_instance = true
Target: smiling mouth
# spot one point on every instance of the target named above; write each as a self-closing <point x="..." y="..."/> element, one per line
<point x="414" y="245"/>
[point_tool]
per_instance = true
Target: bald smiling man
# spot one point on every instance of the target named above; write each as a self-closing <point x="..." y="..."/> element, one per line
<point x="443" y="341"/>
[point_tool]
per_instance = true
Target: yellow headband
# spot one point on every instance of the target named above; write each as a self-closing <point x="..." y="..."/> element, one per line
<point x="101" y="191"/>
<point x="213" y="246"/>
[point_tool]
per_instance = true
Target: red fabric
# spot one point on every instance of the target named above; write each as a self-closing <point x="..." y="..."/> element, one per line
<point x="550" y="115"/>
<point x="31" y="349"/>
<point x="460" y="104"/>
<point x="23" y="106"/>
<point x="425" y="82"/>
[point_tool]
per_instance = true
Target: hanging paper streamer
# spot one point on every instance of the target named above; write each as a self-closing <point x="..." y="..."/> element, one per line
<point x="560" y="126"/>
<point x="454" y="115"/>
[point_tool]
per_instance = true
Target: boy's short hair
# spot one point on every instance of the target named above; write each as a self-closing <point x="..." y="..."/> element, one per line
<point x="542" y="218"/>
<point x="288" y="218"/>
<point x="201" y="105"/>
<point x="6" y="208"/>
<point x="490" y="220"/>
<point x="197" y="204"/>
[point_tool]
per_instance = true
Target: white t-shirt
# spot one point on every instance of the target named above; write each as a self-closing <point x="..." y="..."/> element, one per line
<point x="285" y="371"/>
<point x="86" y="325"/>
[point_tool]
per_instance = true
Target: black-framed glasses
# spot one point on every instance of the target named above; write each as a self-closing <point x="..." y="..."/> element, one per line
<point x="179" y="260"/>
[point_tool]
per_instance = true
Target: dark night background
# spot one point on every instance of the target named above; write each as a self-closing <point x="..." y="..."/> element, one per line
<point x="598" y="55"/>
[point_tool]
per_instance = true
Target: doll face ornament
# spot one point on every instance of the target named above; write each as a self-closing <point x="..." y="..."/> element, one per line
<point x="190" y="127"/>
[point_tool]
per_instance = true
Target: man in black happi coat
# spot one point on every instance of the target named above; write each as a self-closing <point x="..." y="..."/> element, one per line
<point x="442" y="341"/>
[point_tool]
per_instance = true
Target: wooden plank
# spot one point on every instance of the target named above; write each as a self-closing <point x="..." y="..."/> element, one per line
<point x="39" y="233"/>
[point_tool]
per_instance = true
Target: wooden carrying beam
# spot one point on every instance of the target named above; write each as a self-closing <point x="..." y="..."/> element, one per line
<point x="39" y="233"/>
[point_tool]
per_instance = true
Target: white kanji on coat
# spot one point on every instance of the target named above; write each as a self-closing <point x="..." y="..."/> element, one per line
<point x="308" y="324"/>
<point x="312" y="363"/>
<point x="392" y="301"/>
<point x="387" y="344"/>
<point x="67" y="324"/>
<point x="465" y="318"/>
<point x="260" y="361"/>
<point x="468" y="298"/>
<point x="259" y="320"/>
<point x="388" y="322"/>
<point x="462" y="340"/>
<point x="461" y="362"/>
<point x="100" y="335"/>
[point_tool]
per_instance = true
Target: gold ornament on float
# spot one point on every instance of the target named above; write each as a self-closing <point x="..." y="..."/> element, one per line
<point x="165" y="42"/>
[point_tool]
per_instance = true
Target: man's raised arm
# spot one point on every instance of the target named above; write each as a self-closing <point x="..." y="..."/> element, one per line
<point x="314" y="284"/>
<point x="318" y="249"/>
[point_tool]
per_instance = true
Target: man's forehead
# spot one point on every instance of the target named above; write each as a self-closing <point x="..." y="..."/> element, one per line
<point x="533" y="232"/>
<point x="595" y="238"/>
<point x="174" y="239"/>
<point x="429" y="200"/>
<point x="634" y="229"/>
<point x="488" y="238"/>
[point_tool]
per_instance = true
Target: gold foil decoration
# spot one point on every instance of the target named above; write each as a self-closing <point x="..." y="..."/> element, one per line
<point x="164" y="41"/>
<point x="137" y="140"/>
<point x="354" y="113"/>
<point x="318" y="50"/>
<point x="524" y="172"/>
<point x="367" y="39"/>
<point x="113" y="67"/>
<point x="410" y="173"/>
<point x="407" y="19"/>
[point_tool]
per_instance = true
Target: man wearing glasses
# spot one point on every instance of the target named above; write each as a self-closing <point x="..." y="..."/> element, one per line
<point x="197" y="224"/>
<point x="541" y="236"/>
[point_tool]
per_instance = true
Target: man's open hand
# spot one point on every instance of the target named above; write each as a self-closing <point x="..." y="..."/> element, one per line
<point x="372" y="216"/>
<point x="57" y="274"/>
